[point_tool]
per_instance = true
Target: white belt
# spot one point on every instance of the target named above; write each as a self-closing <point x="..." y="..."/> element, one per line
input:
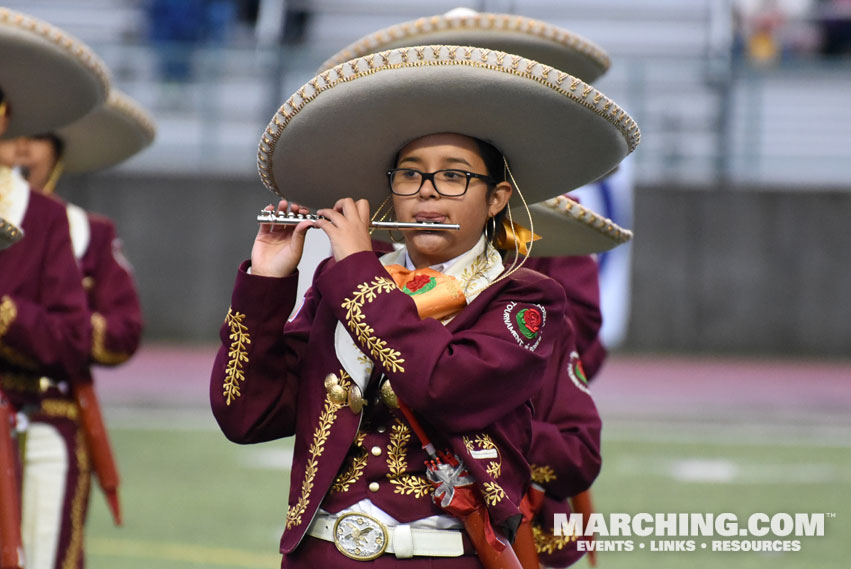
<point x="364" y="538"/>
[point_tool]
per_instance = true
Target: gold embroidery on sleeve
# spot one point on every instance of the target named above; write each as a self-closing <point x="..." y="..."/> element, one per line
<point x="237" y="354"/>
<point x="317" y="447"/>
<point x="493" y="493"/>
<point x="99" y="352"/>
<point x="351" y="475"/>
<point x="8" y="313"/>
<point x="403" y="482"/>
<point x="485" y="442"/>
<point x="366" y="293"/>
<point x="546" y="542"/>
<point x="542" y="474"/>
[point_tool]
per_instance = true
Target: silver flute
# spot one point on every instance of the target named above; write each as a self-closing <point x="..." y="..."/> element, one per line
<point x="290" y="218"/>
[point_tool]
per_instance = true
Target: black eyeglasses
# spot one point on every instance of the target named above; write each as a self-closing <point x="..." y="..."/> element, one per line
<point x="450" y="183"/>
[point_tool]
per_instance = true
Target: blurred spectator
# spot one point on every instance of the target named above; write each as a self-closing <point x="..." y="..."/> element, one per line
<point x="834" y="17"/>
<point x="764" y="43"/>
<point x="177" y="27"/>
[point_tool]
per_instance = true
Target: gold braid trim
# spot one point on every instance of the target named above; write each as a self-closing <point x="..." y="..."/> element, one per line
<point x="99" y="352"/>
<point x="317" y="447"/>
<point x="78" y="505"/>
<point x="366" y="293"/>
<point x="545" y="542"/>
<point x="542" y="474"/>
<point x="403" y="482"/>
<point x="355" y="471"/>
<point x="237" y="354"/>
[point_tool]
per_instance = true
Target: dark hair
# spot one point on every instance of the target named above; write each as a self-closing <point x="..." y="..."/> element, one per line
<point x="2" y="96"/>
<point x="56" y="142"/>
<point x="495" y="166"/>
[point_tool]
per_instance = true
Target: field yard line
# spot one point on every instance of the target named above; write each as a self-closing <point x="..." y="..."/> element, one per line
<point x="163" y="551"/>
<point x="741" y="434"/>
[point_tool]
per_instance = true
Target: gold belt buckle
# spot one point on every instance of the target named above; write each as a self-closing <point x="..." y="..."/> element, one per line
<point x="360" y="537"/>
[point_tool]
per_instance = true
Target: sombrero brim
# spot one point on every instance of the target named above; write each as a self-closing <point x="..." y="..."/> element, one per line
<point x="341" y="131"/>
<point x="9" y="234"/>
<point x="107" y="136"/>
<point x="567" y="227"/>
<point x="533" y="39"/>
<point x="49" y="78"/>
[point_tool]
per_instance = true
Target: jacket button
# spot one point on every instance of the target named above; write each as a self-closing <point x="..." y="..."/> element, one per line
<point x="373" y="486"/>
<point x="376" y="451"/>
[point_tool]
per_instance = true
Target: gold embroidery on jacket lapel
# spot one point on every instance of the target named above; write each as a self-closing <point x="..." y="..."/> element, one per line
<point x="366" y="293"/>
<point x="237" y="354"/>
<point x="317" y="447"/>
<point x="542" y="474"/>
<point x="99" y="352"/>
<point x="354" y="472"/>
<point x="403" y="482"/>
<point x="545" y="542"/>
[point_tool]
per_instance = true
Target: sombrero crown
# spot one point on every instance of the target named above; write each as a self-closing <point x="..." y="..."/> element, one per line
<point x="533" y="39"/>
<point x="48" y="77"/>
<point x="340" y="132"/>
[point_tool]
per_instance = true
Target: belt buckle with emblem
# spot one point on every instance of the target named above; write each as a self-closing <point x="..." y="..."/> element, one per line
<point x="360" y="537"/>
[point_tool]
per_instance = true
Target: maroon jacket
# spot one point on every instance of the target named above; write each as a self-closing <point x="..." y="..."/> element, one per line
<point x="112" y="298"/>
<point x="579" y="275"/>
<point x="469" y="380"/>
<point x="565" y="454"/>
<point x="44" y="324"/>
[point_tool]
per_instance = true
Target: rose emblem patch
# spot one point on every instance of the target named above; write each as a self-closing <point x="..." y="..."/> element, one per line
<point x="524" y="322"/>
<point x="577" y="374"/>
<point x="419" y="284"/>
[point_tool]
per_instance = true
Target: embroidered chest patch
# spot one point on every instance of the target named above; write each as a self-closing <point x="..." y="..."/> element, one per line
<point x="525" y="322"/>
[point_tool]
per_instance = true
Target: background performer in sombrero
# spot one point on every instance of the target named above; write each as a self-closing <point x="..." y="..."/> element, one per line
<point x="469" y="379"/>
<point x="44" y="324"/>
<point x="110" y="134"/>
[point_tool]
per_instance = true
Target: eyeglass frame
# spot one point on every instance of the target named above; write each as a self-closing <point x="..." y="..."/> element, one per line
<point x="429" y="176"/>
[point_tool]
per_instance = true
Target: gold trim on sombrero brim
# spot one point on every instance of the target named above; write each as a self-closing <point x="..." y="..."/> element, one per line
<point x="9" y="234"/>
<point x="567" y="227"/>
<point x="340" y="132"/>
<point x="49" y="77"/>
<point x="530" y="38"/>
<point x="110" y="134"/>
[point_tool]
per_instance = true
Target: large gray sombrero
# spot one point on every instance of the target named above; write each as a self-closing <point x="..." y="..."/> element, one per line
<point x="533" y="39"/>
<point x="9" y="234"/>
<point x="340" y="132"/>
<point x="110" y="134"/>
<point x="48" y="77"/>
<point x="566" y="227"/>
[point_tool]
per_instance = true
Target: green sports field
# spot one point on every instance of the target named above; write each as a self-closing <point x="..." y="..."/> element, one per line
<point x="192" y="499"/>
